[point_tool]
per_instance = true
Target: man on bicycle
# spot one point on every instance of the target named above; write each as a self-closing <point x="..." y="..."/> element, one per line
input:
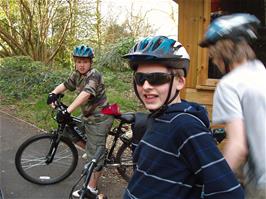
<point x="91" y="97"/>
<point x="177" y="156"/>
<point x="240" y="97"/>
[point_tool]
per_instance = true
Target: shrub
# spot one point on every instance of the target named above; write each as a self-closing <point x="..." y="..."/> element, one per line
<point x="21" y="77"/>
<point x="112" y="59"/>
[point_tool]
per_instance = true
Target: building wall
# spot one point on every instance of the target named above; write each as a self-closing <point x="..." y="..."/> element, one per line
<point x="194" y="17"/>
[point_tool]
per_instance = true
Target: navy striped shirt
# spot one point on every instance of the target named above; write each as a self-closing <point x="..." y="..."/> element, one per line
<point x="178" y="159"/>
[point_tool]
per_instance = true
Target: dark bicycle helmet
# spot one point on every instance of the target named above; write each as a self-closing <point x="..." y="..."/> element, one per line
<point x="159" y="49"/>
<point x="83" y="51"/>
<point x="234" y="27"/>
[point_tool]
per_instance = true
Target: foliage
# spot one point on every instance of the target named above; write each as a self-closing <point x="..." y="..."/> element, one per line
<point x="48" y="30"/>
<point x="136" y="23"/>
<point x="113" y="32"/>
<point x="88" y="23"/>
<point x="21" y="77"/>
<point x="34" y="28"/>
<point x="112" y="56"/>
<point x="120" y="90"/>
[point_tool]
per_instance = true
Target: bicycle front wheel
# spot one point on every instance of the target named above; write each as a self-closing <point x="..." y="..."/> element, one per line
<point x="125" y="159"/>
<point x="31" y="160"/>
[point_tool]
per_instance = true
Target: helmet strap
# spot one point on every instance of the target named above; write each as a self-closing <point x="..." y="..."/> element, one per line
<point x="163" y="108"/>
<point x="136" y="92"/>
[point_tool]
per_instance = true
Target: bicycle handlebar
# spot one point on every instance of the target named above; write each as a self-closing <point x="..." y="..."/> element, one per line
<point x="125" y="117"/>
<point x="58" y="104"/>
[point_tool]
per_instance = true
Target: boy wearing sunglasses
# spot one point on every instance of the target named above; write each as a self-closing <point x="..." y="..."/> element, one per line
<point x="177" y="156"/>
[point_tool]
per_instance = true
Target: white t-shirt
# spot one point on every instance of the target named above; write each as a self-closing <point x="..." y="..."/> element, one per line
<point x="241" y="94"/>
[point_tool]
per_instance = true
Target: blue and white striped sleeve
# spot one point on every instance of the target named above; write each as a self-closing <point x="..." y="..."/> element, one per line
<point x="207" y="163"/>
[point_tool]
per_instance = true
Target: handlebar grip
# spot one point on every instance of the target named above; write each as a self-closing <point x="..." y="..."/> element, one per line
<point x="219" y="134"/>
<point x="60" y="95"/>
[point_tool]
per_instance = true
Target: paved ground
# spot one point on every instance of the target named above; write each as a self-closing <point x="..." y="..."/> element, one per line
<point x="12" y="133"/>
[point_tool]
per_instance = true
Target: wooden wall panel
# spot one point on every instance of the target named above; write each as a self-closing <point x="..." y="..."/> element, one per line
<point x="201" y="96"/>
<point x="190" y="23"/>
<point x="194" y="16"/>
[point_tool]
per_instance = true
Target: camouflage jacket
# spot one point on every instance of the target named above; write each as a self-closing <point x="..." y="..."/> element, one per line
<point x="91" y="82"/>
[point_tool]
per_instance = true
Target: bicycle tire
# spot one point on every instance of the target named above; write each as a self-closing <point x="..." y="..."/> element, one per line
<point x="1" y="194"/>
<point x="125" y="159"/>
<point x="31" y="156"/>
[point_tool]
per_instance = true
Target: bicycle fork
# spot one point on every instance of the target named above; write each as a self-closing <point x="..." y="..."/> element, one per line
<point x="53" y="147"/>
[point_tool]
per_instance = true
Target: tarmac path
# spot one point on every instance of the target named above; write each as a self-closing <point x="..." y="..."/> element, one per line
<point x="12" y="133"/>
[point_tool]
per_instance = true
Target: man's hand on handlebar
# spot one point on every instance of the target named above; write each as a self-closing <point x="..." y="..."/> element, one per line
<point x="51" y="99"/>
<point x="63" y="116"/>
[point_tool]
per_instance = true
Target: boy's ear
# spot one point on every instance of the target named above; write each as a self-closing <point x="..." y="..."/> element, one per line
<point x="181" y="81"/>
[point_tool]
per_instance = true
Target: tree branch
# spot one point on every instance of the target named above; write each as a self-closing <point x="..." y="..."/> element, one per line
<point x="14" y="45"/>
<point x="61" y="39"/>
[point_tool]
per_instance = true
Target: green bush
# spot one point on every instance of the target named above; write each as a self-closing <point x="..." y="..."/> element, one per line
<point x="21" y="77"/>
<point x="112" y="59"/>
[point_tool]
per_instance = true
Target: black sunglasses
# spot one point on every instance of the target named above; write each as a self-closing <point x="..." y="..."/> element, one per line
<point x="154" y="79"/>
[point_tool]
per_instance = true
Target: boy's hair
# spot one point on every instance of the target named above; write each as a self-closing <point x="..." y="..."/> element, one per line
<point x="178" y="72"/>
<point x="231" y="52"/>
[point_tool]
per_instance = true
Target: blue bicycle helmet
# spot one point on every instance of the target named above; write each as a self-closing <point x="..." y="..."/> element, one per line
<point x="234" y="27"/>
<point x="159" y="49"/>
<point x="83" y="51"/>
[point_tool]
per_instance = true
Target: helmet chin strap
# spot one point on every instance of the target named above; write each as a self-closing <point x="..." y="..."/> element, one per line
<point x="162" y="109"/>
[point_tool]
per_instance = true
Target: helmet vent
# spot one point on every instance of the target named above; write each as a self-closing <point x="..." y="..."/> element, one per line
<point x="157" y="44"/>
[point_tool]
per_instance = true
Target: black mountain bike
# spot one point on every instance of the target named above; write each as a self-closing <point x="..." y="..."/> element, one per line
<point x="49" y="158"/>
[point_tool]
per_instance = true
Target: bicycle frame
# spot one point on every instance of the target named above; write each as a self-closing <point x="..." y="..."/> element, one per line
<point x="88" y="170"/>
<point x="116" y="133"/>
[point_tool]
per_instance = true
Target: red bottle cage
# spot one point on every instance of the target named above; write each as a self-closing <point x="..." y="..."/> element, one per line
<point x="112" y="109"/>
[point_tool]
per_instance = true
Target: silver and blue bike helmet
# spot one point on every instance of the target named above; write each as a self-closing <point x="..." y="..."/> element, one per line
<point x="235" y="27"/>
<point x="83" y="51"/>
<point x="159" y="49"/>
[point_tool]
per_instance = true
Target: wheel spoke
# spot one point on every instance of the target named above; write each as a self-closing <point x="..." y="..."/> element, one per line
<point x="31" y="160"/>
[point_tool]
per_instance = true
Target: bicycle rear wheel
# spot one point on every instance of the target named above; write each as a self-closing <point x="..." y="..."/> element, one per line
<point x="31" y="160"/>
<point x="125" y="159"/>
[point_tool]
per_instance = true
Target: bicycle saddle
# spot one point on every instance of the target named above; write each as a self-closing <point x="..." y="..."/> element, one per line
<point x="126" y="117"/>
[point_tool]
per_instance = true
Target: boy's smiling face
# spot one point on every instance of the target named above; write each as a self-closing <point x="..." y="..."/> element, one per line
<point x="154" y="96"/>
<point x="82" y="64"/>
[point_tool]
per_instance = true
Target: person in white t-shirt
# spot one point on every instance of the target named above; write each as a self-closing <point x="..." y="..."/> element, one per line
<point x="240" y="97"/>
